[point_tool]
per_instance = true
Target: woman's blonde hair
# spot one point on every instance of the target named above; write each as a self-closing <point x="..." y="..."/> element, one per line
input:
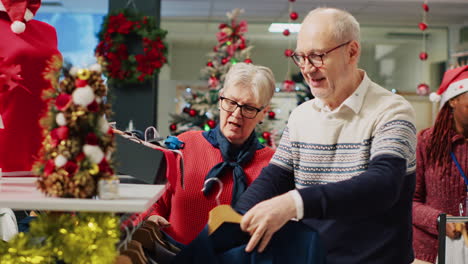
<point x="258" y="78"/>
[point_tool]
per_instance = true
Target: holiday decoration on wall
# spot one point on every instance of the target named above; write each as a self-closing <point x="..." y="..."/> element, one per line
<point x="131" y="47"/>
<point x="423" y="88"/>
<point x="76" y="152"/>
<point x="288" y="84"/>
<point x="64" y="238"/>
<point x="201" y="106"/>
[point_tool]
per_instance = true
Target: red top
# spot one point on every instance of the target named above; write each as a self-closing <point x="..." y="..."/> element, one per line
<point x="187" y="209"/>
<point x="435" y="194"/>
<point x="22" y="107"/>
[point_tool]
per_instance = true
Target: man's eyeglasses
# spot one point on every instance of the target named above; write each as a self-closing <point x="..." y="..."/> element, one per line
<point x="315" y="59"/>
<point x="247" y="111"/>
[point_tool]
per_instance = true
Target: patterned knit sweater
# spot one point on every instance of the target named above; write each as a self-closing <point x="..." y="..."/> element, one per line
<point x="354" y="168"/>
<point x="187" y="208"/>
<point x="436" y="193"/>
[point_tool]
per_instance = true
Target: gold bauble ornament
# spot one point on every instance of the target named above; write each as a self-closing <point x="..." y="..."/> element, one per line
<point x="83" y="74"/>
<point x="94" y="169"/>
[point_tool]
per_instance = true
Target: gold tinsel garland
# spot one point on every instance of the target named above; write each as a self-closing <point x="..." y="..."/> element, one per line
<point x="71" y="238"/>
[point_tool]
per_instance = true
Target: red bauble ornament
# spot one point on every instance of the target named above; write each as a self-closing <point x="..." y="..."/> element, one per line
<point x="423" y="89"/>
<point x="222" y="25"/>
<point x="425" y="7"/>
<point x="173" y="127"/>
<point x="224" y="61"/>
<point x="211" y="123"/>
<point x="209" y="64"/>
<point x="288" y="52"/>
<point x="215" y="49"/>
<point x="266" y="135"/>
<point x="80" y="83"/>
<point x="293" y="15"/>
<point x="192" y="112"/>
<point x="271" y="115"/>
<point x="286" y="32"/>
<point x="289" y="86"/>
<point x="242" y="46"/>
<point x="213" y="82"/>
<point x="422" y="26"/>
<point x="423" y="55"/>
<point x="248" y="60"/>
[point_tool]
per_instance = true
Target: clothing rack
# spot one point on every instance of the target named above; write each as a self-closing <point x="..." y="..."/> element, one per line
<point x="142" y="242"/>
<point x="443" y="220"/>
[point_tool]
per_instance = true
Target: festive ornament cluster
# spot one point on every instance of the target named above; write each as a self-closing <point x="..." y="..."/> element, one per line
<point x="423" y="88"/>
<point x="79" y="142"/>
<point x="118" y="30"/>
<point x="231" y="43"/>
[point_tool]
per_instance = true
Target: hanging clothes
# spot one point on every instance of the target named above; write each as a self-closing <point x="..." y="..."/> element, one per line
<point x="293" y="243"/>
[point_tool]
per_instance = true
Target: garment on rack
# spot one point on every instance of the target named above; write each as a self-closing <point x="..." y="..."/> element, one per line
<point x="8" y="226"/>
<point x="22" y="107"/>
<point x="294" y="243"/>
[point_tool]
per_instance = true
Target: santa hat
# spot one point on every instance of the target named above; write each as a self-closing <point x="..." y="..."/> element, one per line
<point x="20" y="11"/>
<point x="454" y="83"/>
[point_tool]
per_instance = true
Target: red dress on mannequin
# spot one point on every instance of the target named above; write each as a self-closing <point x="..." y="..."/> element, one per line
<point x="22" y="107"/>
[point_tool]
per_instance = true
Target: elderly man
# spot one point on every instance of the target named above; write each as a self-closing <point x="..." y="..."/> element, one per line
<point x="346" y="162"/>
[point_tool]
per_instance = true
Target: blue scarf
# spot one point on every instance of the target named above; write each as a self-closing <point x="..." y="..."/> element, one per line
<point x="232" y="158"/>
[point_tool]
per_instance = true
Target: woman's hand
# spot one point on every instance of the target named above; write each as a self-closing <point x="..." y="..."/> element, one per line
<point x="159" y="220"/>
<point x="454" y="230"/>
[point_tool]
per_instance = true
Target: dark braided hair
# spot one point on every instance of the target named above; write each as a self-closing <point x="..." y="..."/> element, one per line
<point x="440" y="146"/>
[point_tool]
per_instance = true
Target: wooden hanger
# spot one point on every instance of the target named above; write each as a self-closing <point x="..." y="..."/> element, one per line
<point x="123" y="259"/>
<point x="133" y="255"/>
<point x="160" y="237"/>
<point x="135" y="245"/>
<point x="145" y="237"/>
<point x="222" y="214"/>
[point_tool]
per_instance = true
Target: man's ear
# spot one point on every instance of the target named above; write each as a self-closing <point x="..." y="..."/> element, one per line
<point x="266" y="109"/>
<point x="354" y="51"/>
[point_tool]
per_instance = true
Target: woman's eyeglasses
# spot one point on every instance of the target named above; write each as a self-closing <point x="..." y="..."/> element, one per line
<point x="247" y="111"/>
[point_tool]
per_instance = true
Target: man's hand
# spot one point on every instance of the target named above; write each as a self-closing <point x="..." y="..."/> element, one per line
<point x="267" y="217"/>
<point x="453" y="230"/>
<point x="159" y="220"/>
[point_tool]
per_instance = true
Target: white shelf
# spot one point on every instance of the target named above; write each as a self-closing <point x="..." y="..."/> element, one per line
<point x="22" y="193"/>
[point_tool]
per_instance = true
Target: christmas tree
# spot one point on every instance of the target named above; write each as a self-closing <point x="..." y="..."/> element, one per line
<point x="201" y="108"/>
<point x="78" y="142"/>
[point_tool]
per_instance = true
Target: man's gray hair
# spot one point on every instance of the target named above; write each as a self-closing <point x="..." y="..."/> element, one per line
<point x="346" y="27"/>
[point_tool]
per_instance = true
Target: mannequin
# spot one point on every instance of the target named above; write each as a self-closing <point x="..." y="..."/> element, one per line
<point x="27" y="47"/>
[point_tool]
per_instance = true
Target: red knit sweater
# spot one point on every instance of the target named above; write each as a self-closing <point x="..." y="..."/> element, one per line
<point x="22" y="108"/>
<point x="187" y="209"/>
<point x="435" y="194"/>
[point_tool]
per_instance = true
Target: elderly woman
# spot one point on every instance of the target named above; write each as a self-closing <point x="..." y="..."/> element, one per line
<point x="230" y="153"/>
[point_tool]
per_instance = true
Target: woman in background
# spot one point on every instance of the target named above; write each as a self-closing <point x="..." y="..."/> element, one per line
<point x="442" y="159"/>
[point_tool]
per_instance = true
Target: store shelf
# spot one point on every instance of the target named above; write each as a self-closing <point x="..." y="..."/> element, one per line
<point x="22" y="193"/>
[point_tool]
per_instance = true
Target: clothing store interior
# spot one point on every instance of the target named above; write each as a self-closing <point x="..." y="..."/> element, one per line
<point x="220" y="131"/>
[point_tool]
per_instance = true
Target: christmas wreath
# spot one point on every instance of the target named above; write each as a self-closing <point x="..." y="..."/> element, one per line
<point x="131" y="47"/>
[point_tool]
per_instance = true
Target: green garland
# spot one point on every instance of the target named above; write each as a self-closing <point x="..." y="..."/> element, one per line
<point x="74" y="239"/>
<point x="121" y="28"/>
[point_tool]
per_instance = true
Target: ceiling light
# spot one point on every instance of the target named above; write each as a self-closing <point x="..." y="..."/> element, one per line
<point x="280" y="27"/>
